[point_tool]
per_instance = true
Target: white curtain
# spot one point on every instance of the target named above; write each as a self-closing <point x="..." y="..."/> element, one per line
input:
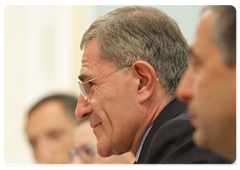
<point x="41" y="57"/>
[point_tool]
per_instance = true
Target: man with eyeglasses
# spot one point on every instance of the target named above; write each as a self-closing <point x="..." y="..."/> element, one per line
<point x="133" y="59"/>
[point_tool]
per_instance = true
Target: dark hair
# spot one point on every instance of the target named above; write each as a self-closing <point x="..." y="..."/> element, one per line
<point x="224" y="31"/>
<point x="133" y="33"/>
<point x="69" y="103"/>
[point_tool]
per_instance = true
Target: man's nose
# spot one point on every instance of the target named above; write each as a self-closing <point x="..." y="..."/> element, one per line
<point x="83" y="108"/>
<point x="184" y="90"/>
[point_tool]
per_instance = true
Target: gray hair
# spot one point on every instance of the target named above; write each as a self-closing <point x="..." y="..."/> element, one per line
<point x="133" y="33"/>
<point x="224" y="32"/>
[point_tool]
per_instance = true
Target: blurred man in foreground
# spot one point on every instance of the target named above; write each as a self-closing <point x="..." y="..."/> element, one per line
<point x="209" y="84"/>
<point x="50" y="128"/>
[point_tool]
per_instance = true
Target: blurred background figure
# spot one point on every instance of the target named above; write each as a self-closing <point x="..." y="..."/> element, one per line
<point x="85" y="151"/>
<point x="50" y="128"/>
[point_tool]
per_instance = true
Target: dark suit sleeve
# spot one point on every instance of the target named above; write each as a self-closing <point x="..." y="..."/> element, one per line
<point x="172" y="144"/>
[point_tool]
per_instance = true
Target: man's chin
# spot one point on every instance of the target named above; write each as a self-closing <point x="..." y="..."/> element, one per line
<point x="103" y="150"/>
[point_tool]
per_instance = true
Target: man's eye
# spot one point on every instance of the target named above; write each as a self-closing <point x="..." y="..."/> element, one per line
<point x="195" y="62"/>
<point x="33" y="143"/>
<point x="55" y="134"/>
<point x="91" y="84"/>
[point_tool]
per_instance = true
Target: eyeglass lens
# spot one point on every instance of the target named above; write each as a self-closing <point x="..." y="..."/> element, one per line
<point x="82" y="90"/>
<point x="85" y="152"/>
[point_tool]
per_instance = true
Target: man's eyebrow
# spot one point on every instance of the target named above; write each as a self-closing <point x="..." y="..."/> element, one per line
<point x="81" y="77"/>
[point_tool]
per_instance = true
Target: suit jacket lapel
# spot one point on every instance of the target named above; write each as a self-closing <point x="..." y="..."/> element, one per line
<point x="173" y="109"/>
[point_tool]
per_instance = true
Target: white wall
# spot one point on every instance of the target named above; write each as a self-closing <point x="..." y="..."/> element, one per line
<point x="186" y="16"/>
<point x="42" y="56"/>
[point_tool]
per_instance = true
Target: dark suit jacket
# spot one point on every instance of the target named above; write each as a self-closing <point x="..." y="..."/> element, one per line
<point x="170" y="140"/>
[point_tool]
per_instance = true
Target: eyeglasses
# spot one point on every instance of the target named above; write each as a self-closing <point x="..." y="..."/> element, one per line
<point x="85" y="152"/>
<point x="86" y="86"/>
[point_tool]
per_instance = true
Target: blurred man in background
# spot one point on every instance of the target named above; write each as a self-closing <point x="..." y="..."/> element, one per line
<point x="209" y="84"/>
<point x="85" y="149"/>
<point x="50" y="128"/>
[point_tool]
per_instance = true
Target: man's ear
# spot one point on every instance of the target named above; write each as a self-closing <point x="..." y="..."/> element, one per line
<point x="147" y="78"/>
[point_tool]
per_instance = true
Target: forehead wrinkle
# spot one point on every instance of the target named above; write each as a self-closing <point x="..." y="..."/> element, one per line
<point x="87" y="70"/>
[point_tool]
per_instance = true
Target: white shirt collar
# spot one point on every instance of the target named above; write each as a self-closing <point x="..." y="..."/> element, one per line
<point x="141" y="143"/>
